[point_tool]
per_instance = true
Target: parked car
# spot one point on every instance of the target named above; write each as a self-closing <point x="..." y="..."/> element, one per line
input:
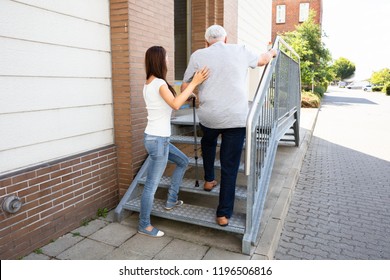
<point x="367" y="88"/>
<point x="354" y="86"/>
<point x="342" y="84"/>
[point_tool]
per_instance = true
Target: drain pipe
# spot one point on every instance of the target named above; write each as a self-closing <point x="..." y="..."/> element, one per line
<point x="11" y="204"/>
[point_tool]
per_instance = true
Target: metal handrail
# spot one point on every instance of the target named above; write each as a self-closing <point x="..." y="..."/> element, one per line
<point x="260" y="95"/>
<point x="275" y="109"/>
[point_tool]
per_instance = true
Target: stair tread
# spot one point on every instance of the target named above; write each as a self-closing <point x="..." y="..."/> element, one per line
<point x="188" y="185"/>
<point x="191" y="214"/>
<point x="184" y="139"/>
<point x="188" y="119"/>
<point x="185" y="119"/>
<point x="217" y="163"/>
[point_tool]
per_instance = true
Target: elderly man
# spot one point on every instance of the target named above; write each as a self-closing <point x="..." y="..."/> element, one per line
<point x="223" y="109"/>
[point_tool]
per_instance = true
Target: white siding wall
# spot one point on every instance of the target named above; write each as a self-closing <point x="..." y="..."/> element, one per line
<point x="55" y="80"/>
<point x="254" y="30"/>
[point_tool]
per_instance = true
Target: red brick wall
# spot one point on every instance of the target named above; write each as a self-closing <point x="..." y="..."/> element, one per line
<point x="200" y="22"/>
<point x="119" y="22"/>
<point x="56" y="198"/>
<point x="151" y="23"/>
<point x="219" y="12"/>
<point x="292" y="14"/>
<point x="135" y="26"/>
<point x="209" y="12"/>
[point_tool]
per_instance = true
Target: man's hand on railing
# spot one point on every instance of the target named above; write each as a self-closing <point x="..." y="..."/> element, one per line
<point x="265" y="58"/>
<point x="273" y="52"/>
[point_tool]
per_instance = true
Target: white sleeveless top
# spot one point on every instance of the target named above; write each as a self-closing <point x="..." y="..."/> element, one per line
<point x="159" y="112"/>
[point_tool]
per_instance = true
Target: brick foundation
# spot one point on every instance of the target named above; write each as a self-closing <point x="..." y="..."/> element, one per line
<point x="57" y="198"/>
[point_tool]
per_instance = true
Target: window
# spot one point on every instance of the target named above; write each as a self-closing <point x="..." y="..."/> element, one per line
<point x="303" y="11"/>
<point x="182" y="36"/>
<point x="280" y="13"/>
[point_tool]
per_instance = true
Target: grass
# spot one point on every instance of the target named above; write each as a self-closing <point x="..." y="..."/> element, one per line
<point x="38" y="251"/>
<point x="310" y="100"/>
<point x="102" y="212"/>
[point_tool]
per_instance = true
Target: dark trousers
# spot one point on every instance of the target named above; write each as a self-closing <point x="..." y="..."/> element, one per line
<point x="230" y="155"/>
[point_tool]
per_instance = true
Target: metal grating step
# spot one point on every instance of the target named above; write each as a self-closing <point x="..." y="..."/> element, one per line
<point x="188" y="185"/>
<point x="184" y="117"/>
<point x="186" y="139"/>
<point x="183" y="139"/>
<point x="217" y="163"/>
<point x="191" y="214"/>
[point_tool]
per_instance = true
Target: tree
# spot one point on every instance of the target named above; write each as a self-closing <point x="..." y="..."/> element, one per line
<point x="314" y="56"/>
<point x="343" y="68"/>
<point x="381" y="77"/>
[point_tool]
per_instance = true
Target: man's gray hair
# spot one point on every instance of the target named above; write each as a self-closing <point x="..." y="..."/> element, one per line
<point x="215" y="33"/>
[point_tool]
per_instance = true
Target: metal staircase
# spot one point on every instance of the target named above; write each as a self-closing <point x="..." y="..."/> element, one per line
<point x="273" y="117"/>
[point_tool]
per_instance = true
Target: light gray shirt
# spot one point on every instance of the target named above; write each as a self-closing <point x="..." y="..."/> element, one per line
<point x="223" y="97"/>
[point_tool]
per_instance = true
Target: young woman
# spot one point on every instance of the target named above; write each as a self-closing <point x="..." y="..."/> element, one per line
<point x="160" y="99"/>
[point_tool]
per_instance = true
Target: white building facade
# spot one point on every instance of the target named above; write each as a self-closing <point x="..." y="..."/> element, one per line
<point x="71" y="113"/>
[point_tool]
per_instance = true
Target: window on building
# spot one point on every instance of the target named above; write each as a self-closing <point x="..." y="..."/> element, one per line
<point x="182" y="36"/>
<point x="280" y="13"/>
<point x="303" y="11"/>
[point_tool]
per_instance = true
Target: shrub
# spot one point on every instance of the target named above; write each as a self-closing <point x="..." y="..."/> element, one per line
<point x="310" y="100"/>
<point x="377" y="88"/>
<point x="386" y="89"/>
<point x="320" y="90"/>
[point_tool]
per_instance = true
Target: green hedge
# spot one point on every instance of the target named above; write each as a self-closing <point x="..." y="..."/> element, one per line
<point x="320" y="90"/>
<point x="386" y="89"/>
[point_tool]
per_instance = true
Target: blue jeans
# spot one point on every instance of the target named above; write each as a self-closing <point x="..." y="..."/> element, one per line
<point x="230" y="155"/>
<point x="160" y="151"/>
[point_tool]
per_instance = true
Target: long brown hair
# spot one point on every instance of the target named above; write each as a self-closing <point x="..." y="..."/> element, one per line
<point x="156" y="64"/>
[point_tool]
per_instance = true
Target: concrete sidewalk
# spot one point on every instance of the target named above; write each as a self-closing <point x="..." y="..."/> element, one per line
<point x="104" y="239"/>
<point x="341" y="205"/>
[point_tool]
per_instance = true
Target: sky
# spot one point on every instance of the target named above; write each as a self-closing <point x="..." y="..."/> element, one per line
<point x="358" y="30"/>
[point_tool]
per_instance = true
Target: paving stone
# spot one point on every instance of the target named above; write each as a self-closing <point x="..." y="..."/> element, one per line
<point x="113" y="234"/>
<point x="61" y="244"/>
<point x="87" y="249"/>
<point x="92" y="227"/>
<point x="218" y="254"/>
<point x="110" y="216"/>
<point x="200" y="235"/>
<point x="123" y="254"/>
<point x="257" y="257"/>
<point x="34" y="256"/>
<point x="182" y="250"/>
<point x="144" y="245"/>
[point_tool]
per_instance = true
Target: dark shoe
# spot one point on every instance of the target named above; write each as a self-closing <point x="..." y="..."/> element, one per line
<point x="208" y="186"/>
<point x="222" y="221"/>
